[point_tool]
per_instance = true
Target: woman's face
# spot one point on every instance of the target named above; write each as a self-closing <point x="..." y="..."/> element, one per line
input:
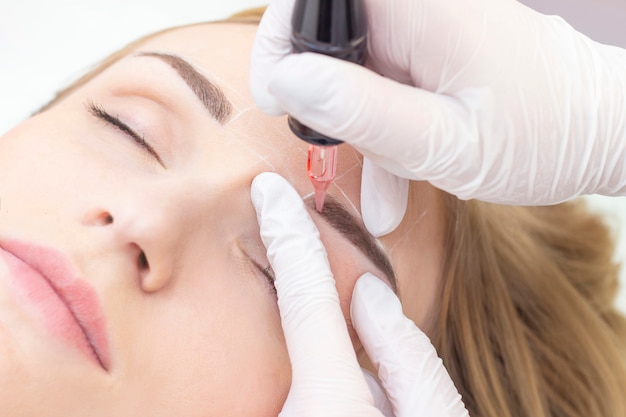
<point x="132" y="275"/>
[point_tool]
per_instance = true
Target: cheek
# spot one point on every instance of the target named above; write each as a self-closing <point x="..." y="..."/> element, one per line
<point x="24" y="154"/>
<point x="33" y="184"/>
<point x="42" y="163"/>
<point x="249" y="360"/>
<point x="258" y="367"/>
<point x="222" y="350"/>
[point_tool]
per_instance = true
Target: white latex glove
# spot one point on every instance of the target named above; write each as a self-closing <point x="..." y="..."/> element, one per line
<point x="326" y="378"/>
<point x="485" y="99"/>
<point x="411" y="373"/>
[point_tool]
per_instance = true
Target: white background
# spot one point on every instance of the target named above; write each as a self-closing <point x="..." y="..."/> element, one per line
<point x="44" y="45"/>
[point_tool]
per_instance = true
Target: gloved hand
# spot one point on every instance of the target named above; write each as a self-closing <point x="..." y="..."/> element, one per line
<point x="485" y="99"/>
<point x="326" y="378"/>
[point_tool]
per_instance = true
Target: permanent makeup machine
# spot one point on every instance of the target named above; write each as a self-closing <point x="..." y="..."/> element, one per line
<point x="336" y="28"/>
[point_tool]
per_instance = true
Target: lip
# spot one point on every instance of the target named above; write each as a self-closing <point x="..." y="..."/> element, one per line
<point x="55" y="293"/>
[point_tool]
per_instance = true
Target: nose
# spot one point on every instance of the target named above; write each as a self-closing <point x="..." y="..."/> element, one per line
<point x="149" y="229"/>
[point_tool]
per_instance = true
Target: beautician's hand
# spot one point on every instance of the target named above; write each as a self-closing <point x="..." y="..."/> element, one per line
<point x="326" y="378"/>
<point x="484" y="99"/>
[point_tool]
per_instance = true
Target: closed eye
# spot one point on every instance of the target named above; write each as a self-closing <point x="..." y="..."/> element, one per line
<point x="268" y="273"/>
<point x="100" y="113"/>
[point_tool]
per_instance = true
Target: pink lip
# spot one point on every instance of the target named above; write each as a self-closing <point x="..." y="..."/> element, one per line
<point x="64" y="303"/>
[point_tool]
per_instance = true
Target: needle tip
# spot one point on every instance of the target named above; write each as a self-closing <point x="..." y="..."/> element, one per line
<point x="320" y="196"/>
<point x="321" y="167"/>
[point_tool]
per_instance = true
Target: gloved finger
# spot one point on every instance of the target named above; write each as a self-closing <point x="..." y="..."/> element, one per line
<point x="315" y="330"/>
<point x="411" y="373"/>
<point x="381" y="402"/>
<point x="271" y="44"/>
<point x="410" y="132"/>
<point x="384" y="198"/>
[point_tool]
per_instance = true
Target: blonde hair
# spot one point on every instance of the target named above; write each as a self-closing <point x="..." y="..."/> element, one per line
<point x="526" y="326"/>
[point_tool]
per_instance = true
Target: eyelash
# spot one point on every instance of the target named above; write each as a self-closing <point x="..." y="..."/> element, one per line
<point x="268" y="273"/>
<point x="100" y="113"/>
<point x="271" y="279"/>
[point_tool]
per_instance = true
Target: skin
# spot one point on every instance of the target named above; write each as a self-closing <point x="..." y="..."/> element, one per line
<point x="199" y="330"/>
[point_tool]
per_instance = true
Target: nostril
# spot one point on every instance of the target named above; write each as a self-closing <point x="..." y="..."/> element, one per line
<point x="152" y="277"/>
<point x="98" y="217"/>
<point x="142" y="261"/>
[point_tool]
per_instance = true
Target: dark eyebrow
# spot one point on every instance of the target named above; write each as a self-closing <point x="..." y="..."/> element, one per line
<point x="211" y="96"/>
<point x="345" y="223"/>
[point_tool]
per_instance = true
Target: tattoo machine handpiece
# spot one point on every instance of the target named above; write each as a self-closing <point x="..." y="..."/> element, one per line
<point x="336" y="28"/>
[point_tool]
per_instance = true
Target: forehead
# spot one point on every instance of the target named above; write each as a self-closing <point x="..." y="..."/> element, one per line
<point x="219" y="50"/>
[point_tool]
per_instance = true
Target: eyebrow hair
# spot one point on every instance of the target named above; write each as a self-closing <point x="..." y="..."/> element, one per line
<point x="347" y="224"/>
<point x="211" y="95"/>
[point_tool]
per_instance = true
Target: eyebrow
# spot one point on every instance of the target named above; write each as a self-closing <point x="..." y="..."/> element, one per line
<point x="345" y="223"/>
<point x="211" y="95"/>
